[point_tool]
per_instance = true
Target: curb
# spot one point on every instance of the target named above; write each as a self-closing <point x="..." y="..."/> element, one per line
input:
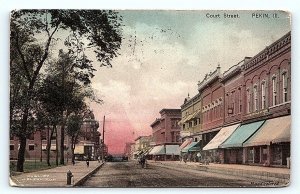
<point x="85" y="177"/>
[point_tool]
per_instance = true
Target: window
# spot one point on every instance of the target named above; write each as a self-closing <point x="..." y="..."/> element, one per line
<point x="274" y="88"/>
<point x="263" y="95"/>
<point x="240" y="100"/>
<point x="183" y="126"/>
<point x="190" y="124"/>
<point x="248" y="101"/>
<point x="284" y="88"/>
<point x="233" y="101"/>
<point x="11" y="147"/>
<point x="31" y="147"/>
<point x="255" y="99"/>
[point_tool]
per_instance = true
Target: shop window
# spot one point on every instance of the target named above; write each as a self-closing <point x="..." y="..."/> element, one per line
<point x="264" y="153"/>
<point x="277" y="157"/>
<point x="31" y="147"/>
<point x="250" y="155"/>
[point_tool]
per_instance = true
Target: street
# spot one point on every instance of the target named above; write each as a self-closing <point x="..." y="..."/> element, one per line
<point x="130" y="174"/>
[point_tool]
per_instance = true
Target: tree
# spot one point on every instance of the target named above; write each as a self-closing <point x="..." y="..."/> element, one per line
<point x="73" y="130"/>
<point x="86" y="29"/>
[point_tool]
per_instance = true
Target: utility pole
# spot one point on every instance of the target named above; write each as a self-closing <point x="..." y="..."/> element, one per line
<point x="103" y="138"/>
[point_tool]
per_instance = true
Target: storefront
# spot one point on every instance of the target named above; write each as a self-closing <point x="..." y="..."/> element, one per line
<point x="270" y="145"/>
<point x="165" y="152"/>
<point x="216" y="154"/>
<point x="189" y="153"/>
<point x="233" y="146"/>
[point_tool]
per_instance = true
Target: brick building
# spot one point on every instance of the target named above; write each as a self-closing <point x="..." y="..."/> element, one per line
<point x="166" y="129"/>
<point x="166" y="134"/>
<point x="267" y="93"/>
<point x="88" y="143"/>
<point x="246" y="110"/>
<point x="212" y="94"/>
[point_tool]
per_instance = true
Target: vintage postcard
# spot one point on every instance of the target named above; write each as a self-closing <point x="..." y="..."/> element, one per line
<point x="150" y="98"/>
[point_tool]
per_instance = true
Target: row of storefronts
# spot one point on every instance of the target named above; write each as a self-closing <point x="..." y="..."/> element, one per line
<point x="243" y="115"/>
<point x="239" y="116"/>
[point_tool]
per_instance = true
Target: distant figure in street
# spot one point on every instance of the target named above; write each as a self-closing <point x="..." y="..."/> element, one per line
<point x="73" y="162"/>
<point x="87" y="162"/>
<point x="143" y="161"/>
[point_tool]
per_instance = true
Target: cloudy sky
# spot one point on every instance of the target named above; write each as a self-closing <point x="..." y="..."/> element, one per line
<point x="163" y="56"/>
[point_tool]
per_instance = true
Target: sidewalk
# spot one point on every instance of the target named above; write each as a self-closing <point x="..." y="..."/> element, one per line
<point x="56" y="177"/>
<point x="259" y="172"/>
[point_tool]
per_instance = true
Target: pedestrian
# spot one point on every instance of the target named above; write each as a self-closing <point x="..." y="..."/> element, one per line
<point x="87" y="162"/>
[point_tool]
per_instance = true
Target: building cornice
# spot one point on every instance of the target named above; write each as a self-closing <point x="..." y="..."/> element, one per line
<point x="269" y="52"/>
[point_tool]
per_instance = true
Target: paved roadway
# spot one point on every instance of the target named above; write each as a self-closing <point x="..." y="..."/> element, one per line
<point x="130" y="174"/>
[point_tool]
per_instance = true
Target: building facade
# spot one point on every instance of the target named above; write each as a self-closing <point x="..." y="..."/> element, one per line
<point x="166" y="135"/>
<point x="166" y="128"/>
<point x="190" y="122"/>
<point x="88" y="144"/>
<point x="245" y="111"/>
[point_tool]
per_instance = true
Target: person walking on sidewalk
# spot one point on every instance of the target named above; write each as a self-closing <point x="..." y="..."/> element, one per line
<point x="87" y="162"/>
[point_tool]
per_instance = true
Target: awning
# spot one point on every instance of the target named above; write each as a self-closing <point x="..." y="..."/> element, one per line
<point x="221" y="136"/>
<point x="172" y="150"/>
<point x="273" y="131"/>
<point x="187" y="148"/>
<point x="79" y="149"/>
<point x="185" y="143"/>
<point x="241" y="134"/>
<point x="196" y="114"/>
<point x="158" y="150"/>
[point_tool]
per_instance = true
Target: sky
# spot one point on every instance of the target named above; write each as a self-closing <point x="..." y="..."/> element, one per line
<point x="7" y="6"/>
<point x="163" y="56"/>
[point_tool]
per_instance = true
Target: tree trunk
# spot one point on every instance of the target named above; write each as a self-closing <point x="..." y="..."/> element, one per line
<point x="56" y="141"/>
<point x="49" y="144"/>
<point x="21" y="154"/>
<point x="62" y="143"/>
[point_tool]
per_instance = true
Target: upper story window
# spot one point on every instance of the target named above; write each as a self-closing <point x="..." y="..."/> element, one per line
<point x="174" y="123"/>
<point x="255" y="99"/>
<point x="263" y="95"/>
<point x="284" y="87"/>
<point x="190" y="124"/>
<point x="248" y="101"/>
<point x="274" y="90"/>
